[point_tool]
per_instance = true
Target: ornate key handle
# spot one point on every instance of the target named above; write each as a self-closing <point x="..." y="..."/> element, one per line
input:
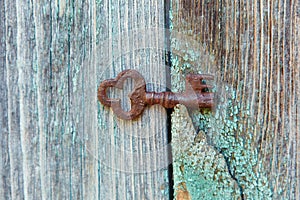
<point x="136" y="97"/>
<point x="194" y="95"/>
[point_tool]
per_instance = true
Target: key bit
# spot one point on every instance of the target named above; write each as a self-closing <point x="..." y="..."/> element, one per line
<point x="194" y="96"/>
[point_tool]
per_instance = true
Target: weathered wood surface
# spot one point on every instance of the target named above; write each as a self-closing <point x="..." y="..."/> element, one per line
<point x="57" y="141"/>
<point x="251" y="140"/>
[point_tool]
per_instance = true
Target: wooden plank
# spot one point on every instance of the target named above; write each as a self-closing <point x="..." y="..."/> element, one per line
<point x="27" y="97"/>
<point x="58" y="30"/>
<point x="252" y="49"/>
<point x="15" y="182"/>
<point x="4" y="159"/>
<point x="131" y="160"/>
<point x="58" y="141"/>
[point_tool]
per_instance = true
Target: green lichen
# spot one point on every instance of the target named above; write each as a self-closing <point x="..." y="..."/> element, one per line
<point x="196" y="163"/>
<point x="225" y="154"/>
<point x="229" y="134"/>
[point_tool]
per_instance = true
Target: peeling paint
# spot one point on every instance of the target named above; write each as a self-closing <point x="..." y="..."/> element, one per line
<point x="225" y="142"/>
<point x="196" y="163"/>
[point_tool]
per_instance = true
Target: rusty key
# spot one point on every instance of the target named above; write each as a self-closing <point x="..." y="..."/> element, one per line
<point x="194" y="95"/>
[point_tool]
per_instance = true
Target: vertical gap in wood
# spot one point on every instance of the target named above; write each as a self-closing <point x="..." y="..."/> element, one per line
<point x="170" y="167"/>
<point x="168" y="88"/>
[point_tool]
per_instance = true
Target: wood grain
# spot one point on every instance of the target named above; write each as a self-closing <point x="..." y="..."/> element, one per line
<point x="254" y="51"/>
<point x="58" y="141"/>
<point x="128" y="147"/>
<point x="4" y="161"/>
<point x="14" y="182"/>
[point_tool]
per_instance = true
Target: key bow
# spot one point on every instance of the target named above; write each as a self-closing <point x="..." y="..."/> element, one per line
<point x="136" y="97"/>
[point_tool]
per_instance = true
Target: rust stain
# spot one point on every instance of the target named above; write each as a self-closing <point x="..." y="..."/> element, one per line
<point x="182" y="193"/>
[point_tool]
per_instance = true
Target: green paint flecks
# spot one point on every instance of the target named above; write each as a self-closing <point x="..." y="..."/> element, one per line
<point x="197" y="164"/>
<point x="221" y="157"/>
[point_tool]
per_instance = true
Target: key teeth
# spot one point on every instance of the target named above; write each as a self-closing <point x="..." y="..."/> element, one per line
<point x="195" y="81"/>
<point x="204" y="86"/>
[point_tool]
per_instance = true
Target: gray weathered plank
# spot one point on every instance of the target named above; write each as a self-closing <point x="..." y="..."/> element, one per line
<point x="27" y="97"/>
<point x="129" y="149"/>
<point x="4" y="159"/>
<point x="58" y="142"/>
<point x="15" y="184"/>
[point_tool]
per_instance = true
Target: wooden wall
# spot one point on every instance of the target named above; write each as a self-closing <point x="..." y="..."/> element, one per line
<point x="57" y="141"/>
